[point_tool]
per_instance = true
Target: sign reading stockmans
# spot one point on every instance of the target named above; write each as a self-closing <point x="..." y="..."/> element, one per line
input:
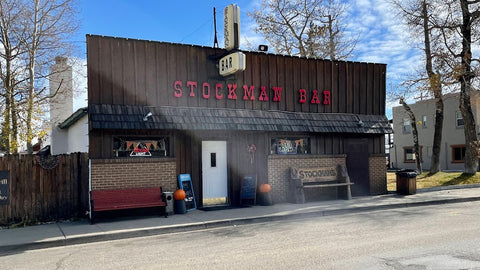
<point x="314" y="174"/>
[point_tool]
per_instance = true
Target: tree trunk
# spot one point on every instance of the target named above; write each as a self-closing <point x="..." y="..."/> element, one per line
<point x="14" y="140"/>
<point x="31" y="85"/>
<point x="331" y="41"/>
<point x="416" y="146"/>
<point x="30" y="102"/>
<point x="437" y="135"/>
<point x="471" y="144"/>
<point x="6" y="125"/>
<point x="436" y="87"/>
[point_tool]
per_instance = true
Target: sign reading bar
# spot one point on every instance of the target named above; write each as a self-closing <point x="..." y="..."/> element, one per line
<point x="314" y="174"/>
<point x="232" y="63"/>
<point x="4" y="187"/>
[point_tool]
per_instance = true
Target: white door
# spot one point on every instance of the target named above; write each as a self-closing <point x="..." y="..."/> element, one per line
<point x="214" y="172"/>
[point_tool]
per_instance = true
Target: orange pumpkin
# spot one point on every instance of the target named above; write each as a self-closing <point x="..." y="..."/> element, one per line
<point x="264" y="188"/>
<point x="179" y="195"/>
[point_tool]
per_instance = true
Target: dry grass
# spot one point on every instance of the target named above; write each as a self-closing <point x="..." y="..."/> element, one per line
<point x="425" y="180"/>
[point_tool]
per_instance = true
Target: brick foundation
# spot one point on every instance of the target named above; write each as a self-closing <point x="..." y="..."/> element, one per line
<point x="279" y="172"/>
<point x="378" y="174"/>
<point x="133" y="173"/>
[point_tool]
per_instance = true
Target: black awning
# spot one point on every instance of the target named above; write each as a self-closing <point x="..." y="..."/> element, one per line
<point x="107" y="116"/>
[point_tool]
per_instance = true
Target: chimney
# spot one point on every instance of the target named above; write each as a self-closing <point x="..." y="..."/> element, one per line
<point x="61" y="88"/>
<point x="61" y="103"/>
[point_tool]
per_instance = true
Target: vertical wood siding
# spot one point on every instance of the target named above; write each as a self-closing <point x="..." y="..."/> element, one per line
<point x="137" y="72"/>
<point x="38" y="194"/>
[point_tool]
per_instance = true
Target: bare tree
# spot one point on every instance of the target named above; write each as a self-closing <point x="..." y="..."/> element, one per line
<point x="459" y="28"/>
<point x="49" y="25"/>
<point x="308" y="28"/>
<point x="416" y="145"/>
<point x="470" y="10"/>
<point x="418" y="17"/>
<point x="449" y="29"/>
<point x="10" y="72"/>
<point x="42" y="30"/>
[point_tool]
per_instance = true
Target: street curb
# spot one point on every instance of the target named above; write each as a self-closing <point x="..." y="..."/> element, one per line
<point x="76" y="240"/>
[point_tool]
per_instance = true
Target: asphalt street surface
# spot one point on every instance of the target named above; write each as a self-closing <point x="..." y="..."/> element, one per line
<point x="445" y="236"/>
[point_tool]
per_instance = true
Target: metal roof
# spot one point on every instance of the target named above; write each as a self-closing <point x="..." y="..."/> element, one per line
<point x="72" y="119"/>
<point x="108" y="116"/>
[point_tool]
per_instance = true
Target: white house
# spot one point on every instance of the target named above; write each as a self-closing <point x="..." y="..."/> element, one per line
<point x="69" y="129"/>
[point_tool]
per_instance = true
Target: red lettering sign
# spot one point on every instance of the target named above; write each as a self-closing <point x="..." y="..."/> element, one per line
<point x="303" y="96"/>
<point x="277" y="91"/>
<point x="218" y="87"/>
<point x="178" y="90"/>
<point x="191" y="85"/>
<point x="231" y="91"/>
<point x="326" y="98"/>
<point x="206" y="90"/>
<point x="315" y="97"/>
<point x="248" y="92"/>
<point x="263" y="94"/>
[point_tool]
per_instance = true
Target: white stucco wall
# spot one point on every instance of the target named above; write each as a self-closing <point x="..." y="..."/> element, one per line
<point x="59" y="140"/>
<point x="78" y="136"/>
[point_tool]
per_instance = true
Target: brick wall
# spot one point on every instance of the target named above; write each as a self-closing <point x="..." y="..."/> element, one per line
<point x="133" y="173"/>
<point x="279" y="171"/>
<point x="378" y="174"/>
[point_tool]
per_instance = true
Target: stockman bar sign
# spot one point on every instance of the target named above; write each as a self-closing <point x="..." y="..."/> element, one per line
<point x="231" y="27"/>
<point x="232" y="63"/>
<point x="4" y="188"/>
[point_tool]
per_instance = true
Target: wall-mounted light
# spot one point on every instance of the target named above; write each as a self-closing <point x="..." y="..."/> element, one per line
<point x="149" y="114"/>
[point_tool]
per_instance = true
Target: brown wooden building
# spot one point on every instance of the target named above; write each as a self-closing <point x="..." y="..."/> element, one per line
<point x="157" y="110"/>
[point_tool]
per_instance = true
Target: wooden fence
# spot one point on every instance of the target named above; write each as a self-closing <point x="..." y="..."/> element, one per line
<point x="44" y="188"/>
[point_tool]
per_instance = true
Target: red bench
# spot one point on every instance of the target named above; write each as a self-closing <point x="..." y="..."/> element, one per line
<point x="117" y="199"/>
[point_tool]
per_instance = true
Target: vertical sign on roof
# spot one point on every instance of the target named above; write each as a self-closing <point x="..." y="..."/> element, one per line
<point x="231" y="27"/>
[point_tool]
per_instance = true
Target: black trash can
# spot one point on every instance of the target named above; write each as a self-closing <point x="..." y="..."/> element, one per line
<point x="180" y="207"/>
<point x="406" y="182"/>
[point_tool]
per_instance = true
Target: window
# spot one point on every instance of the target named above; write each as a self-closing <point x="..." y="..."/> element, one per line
<point x="141" y="147"/>
<point x="458" y="119"/>
<point x="407" y="128"/>
<point x="409" y="154"/>
<point x="424" y="121"/>
<point x="290" y="146"/>
<point x="458" y="153"/>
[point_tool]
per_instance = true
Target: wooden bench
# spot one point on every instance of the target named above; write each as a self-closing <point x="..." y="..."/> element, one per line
<point x="117" y="199"/>
<point x="323" y="177"/>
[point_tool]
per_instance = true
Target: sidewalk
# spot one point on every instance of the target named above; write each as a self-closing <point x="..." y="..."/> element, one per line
<point x="70" y="233"/>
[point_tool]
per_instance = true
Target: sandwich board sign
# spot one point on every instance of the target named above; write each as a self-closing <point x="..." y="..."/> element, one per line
<point x="185" y="183"/>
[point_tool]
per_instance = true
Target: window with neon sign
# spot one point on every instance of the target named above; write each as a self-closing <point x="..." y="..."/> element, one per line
<point x="141" y="147"/>
<point x="290" y="146"/>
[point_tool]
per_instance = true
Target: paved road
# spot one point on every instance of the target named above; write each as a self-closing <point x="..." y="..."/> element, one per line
<point x="433" y="237"/>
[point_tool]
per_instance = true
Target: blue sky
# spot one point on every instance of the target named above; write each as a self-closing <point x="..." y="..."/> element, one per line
<point x="383" y="38"/>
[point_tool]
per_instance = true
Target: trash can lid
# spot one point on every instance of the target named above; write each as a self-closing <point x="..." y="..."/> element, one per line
<point x="407" y="173"/>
